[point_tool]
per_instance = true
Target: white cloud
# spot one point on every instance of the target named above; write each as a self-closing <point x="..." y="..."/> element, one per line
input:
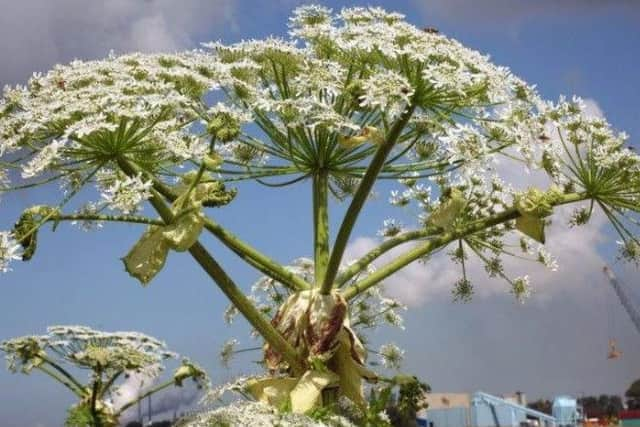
<point x="35" y="34"/>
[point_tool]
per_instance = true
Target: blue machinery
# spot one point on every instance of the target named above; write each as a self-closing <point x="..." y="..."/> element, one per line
<point x="494" y="411"/>
<point x="486" y="410"/>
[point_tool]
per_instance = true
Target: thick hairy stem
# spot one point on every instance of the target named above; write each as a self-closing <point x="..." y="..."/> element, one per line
<point x="228" y="287"/>
<point x="106" y="218"/>
<point x="320" y="225"/>
<point x="95" y="389"/>
<point x="262" y="262"/>
<point x="377" y="252"/>
<point x="246" y="307"/>
<point x="359" y="198"/>
<point x="245" y="251"/>
<point x="440" y="241"/>
<point x="71" y="386"/>
<point x="64" y="372"/>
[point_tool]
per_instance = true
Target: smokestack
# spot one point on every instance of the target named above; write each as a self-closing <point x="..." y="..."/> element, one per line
<point x="149" y="408"/>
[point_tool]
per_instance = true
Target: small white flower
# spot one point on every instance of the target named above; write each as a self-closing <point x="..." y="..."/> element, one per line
<point x="391" y="356"/>
<point x="230" y="313"/>
<point x="45" y="157"/>
<point x="227" y="351"/>
<point x="390" y="228"/>
<point x="10" y="250"/>
<point x="126" y="195"/>
<point x="546" y="259"/>
<point x="389" y="91"/>
<point x="521" y="289"/>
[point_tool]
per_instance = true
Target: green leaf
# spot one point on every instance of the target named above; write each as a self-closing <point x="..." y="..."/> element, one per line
<point x="184" y="231"/>
<point x="445" y="214"/>
<point x="349" y="370"/>
<point x="147" y="257"/>
<point x="307" y="394"/>
<point x="531" y="226"/>
<point x="272" y="391"/>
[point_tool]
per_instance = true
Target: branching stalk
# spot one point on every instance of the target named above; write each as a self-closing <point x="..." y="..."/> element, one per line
<point x="440" y="241"/>
<point x="359" y="198"/>
<point x="226" y="284"/>
<point x="320" y="225"/>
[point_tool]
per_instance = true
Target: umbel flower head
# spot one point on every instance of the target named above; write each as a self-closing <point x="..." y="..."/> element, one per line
<point x="108" y="356"/>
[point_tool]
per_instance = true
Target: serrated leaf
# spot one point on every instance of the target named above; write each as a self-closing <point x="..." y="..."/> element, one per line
<point x="531" y="226"/>
<point x="147" y="257"/>
<point x="307" y="394"/>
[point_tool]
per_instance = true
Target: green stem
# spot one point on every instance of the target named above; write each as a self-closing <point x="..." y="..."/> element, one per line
<point x="95" y="389"/>
<point x="245" y="251"/>
<point x="64" y="373"/>
<point x="258" y="260"/>
<point x="320" y="224"/>
<point x="226" y="284"/>
<point x="359" y="198"/>
<point x="106" y="218"/>
<point x="375" y="253"/>
<point x="63" y="381"/>
<point x="143" y="396"/>
<point x="440" y="241"/>
<point x="246" y="307"/>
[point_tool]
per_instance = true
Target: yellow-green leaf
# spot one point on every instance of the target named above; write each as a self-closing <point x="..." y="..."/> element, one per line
<point x="272" y="391"/>
<point x="184" y="231"/>
<point x="212" y="161"/>
<point x="307" y="394"/>
<point x="147" y="257"/>
<point x="531" y="226"/>
<point x="445" y="214"/>
<point x="349" y="370"/>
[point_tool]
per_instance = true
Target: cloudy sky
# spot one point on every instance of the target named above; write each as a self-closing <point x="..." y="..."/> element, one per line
<point x="555" y="344"/>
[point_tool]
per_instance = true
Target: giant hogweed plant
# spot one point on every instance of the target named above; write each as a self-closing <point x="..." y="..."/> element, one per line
<point x="349" y="100"/>
<point x="110" y="358"/>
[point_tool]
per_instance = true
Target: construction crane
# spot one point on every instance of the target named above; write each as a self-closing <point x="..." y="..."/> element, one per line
<point x="625" y="300"/>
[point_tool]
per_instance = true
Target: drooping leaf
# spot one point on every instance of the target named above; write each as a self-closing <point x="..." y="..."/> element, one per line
<point x="184" y="231"/>
<point x="531" y="226"/>
<point x="25" y="229"/>
<point x="347" y="364"/>
<point x="307" y="394"/>
<point x="272" y="391"/>
<point x="147" y="257"/>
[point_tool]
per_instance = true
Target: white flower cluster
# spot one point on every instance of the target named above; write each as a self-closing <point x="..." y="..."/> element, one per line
<point x="391" y="356"/>
<point x="240" y="414"/>
<point x="10" y="250"/>
<point x="89" y="348"/>
<point x="126" y="195"/>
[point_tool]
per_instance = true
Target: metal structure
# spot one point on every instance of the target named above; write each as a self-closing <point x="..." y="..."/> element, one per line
<point x="566" y="411"/>
<point x="485" y="410"/>
<point x="494" y="411"/>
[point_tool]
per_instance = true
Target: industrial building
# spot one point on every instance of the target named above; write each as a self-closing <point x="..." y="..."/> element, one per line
<point x="480" y="409"/>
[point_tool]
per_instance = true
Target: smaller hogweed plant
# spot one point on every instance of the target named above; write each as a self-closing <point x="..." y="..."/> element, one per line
<point x="348" y="100"/>
<point x="109" y="357"/>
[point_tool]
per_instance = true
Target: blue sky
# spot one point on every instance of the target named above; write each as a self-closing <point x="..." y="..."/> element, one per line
<point x="554" y="344"/>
